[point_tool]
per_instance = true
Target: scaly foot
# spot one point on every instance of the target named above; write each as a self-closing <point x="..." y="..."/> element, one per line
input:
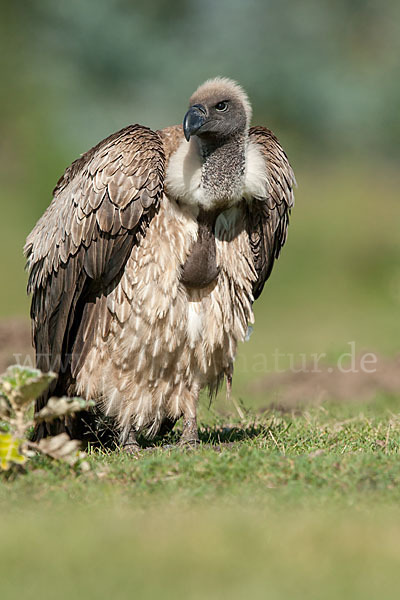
<point x="129" y="444"/>
<point x="190" y="434"/>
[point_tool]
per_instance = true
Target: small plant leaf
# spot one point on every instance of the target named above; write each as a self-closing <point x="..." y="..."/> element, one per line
<point x="23" y="384"/>
<point x="59" y="407"/>
<point x="5" y="408"/>
<point x="61" y="447"/>
<point x="9" y="451"/>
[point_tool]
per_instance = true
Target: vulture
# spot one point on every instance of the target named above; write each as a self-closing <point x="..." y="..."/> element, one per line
<point x="144" y="268"/>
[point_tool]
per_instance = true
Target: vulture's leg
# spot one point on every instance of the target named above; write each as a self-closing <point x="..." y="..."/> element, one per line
<point x="129" y="442"/>
<point x="190" y="433"/>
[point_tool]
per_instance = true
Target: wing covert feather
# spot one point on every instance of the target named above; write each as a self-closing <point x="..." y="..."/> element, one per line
<point x="172" y="137"/>
<point x="101" y="206"/>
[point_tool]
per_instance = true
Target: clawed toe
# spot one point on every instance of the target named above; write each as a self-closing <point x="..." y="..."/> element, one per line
<point x="129" y="443"/>
<point x="183" y="443"/>
<point x="131" y="448"/>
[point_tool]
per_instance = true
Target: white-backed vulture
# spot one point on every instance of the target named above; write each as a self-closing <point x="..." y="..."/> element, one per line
<point x="144" y="268"/>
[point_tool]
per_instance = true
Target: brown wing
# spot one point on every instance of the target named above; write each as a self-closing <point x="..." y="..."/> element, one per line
<point x="268" y="218"/>
<point x="77" y="251"/>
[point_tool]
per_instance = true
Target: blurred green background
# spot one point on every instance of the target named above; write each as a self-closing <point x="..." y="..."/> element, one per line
<point x="323" y="76"/>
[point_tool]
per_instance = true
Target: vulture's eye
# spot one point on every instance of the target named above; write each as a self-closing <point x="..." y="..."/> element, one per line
<point x="221" y="106"/>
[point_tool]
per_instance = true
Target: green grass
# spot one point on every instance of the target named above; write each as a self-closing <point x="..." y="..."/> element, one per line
<point x="326" y="451"/>
<point x="299" y="505"/>
<point x="121" y="553"/>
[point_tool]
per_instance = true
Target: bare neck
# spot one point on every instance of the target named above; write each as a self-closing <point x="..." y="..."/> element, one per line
<point x="223" y="167"/>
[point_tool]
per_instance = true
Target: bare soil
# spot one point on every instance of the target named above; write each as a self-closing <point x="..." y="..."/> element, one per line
<point x="289" y="389"/>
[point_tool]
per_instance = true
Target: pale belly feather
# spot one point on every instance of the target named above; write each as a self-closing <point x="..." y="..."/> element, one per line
<point x="167" y="341"/>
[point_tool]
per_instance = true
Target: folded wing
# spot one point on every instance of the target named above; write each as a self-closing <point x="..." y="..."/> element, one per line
<point x="78" y="249"/>
<point x="268" y="218"/>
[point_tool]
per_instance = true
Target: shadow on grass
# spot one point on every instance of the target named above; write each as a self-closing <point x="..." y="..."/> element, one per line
<point x="210" y="435"/>
<point x="230" y="433"/>
<point x="102" y="434"/>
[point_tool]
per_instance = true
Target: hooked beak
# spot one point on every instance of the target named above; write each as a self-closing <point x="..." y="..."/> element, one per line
<point x="193" y="120"/>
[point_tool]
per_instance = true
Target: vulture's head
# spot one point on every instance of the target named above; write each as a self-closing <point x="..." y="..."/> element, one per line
<point x="219" y="109"/>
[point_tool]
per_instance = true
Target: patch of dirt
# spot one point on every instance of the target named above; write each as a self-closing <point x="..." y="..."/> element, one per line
<point x="289" y="389"/>
<point x="15" y="343"/>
